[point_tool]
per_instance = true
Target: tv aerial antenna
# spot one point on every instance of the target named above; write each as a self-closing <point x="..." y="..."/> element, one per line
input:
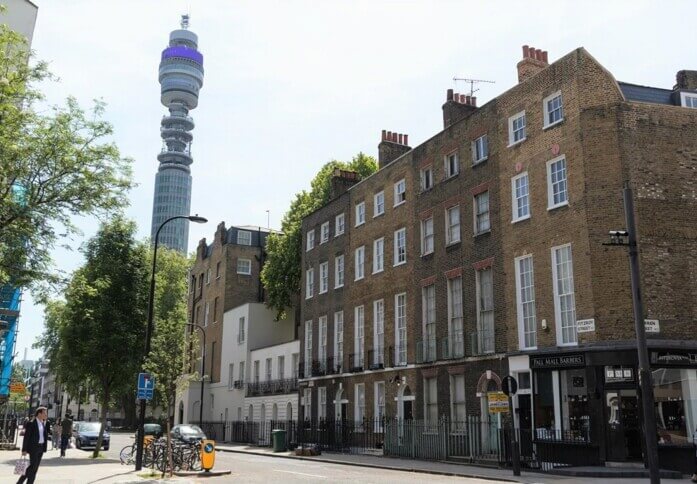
<point x="185" y="21"/>
<point x="472" y="83"/>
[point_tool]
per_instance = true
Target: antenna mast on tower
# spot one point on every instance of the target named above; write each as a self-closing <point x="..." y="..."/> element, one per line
<point x="472" y="83"/>
<point x="185" y="21"/>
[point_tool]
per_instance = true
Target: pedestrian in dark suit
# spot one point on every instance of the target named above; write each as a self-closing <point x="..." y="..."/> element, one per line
<point x="34" y="444"/>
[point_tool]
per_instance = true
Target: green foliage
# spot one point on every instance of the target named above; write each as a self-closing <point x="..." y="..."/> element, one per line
<point x="96" y="337"/>
<point x="55" y="163"/>
<point x="282" y="272"/>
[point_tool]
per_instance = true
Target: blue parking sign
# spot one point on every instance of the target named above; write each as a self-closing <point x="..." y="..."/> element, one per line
<point x="146" y="386"/>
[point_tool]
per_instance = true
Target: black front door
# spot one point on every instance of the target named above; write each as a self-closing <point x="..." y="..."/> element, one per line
<point x="408" y="413"/>
<point x="525" y="424"/>
<point x="623" y="426"/>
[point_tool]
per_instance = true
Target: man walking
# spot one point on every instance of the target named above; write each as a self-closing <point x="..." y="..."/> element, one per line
<point x="34" y="444"/>
<point x="66" y="432"/>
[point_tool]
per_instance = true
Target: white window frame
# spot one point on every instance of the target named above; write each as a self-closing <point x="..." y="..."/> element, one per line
<point x="269" y="369"/>
<point x="240" y="368"/>
<point x="308" y="348"/>
<point x="558" y="296"/>
<point x="323" y="277"/>
<point x="206" y="313"/>
<point x="322" y="336"/>
<point x="476" y="214"/>
<point x="359" y="405"/>
<point x="339" y="339"/>
<point x="397" y="253"/>
<point x="529" y="297"/>
<point x="359" y="263"/>
<point x="515" y="200"/>
<point x="359" y="335"/>
<point x="379" y="203"/>
<point x="480" y="144"/>
<point x="378" y="332"/>
<point x="452" y="236"/>
<point x="310" y="240"/>
<point x="324" y="233"/>
<point x="456" y="320"/>
<point x="430" y="402"/>
<point x="511" y="134"/>
<point x="378" y="255"/>
<point x="428" y="239"/>
<point x="322" y="403"/>
<point x="246" y="235"/>
<point x="307" y="403"/>
<point x="400" y="192"/>
<point x="240" y="270"/>
<point x="339" y="224"/>
<point x="339" y="271"/>
<point x="428" y="318"/>
<point x="687" y="98"/>
<point x="379" y="404"/>
<point x="231" y="376"/>
<point x="458" y="406"/>
<point x="454" y="170"/>
<point x="550" y="185"/>
<point x="208" y="277"/>
<point x="481" y="326"/>
<point x="545" y="109"/>
<point x="426" y="175"/>
<point x="281" y="367"/>
<point x="360" y="213"/>
<point x="309" y="282"/>
<point x="400" y="332"/>
<point x="241" y="330"/>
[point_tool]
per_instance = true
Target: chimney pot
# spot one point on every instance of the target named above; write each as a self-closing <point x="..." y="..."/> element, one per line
<point x="449" y="96"/>
<point x="394" y="137"/>
<point x="468" y="100"/>
<point x="400" y="138"/>
<point x="538" y="54"/>
<point x="531" y="53"/>
<point x="526" y="51"/>
<point x="474" y="101"/>
<point x="463" y="99"/>
<point x="389" y="136"/>
<point x="406" y="140"/>
<point x="384" y="134"/>
<point x="544" y="56"/>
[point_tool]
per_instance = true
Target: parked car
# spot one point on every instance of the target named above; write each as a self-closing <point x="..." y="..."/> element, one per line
<point x="86" y="434"/>
<point x="152" y="429"/>
<point x="187" y="433"/>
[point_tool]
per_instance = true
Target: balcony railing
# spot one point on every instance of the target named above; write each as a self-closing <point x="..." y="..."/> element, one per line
<point x="482" y="342"/>
<point x="376" y="358"/>
<point x="453" y="346"/>
<point x="426" y="350"/>
<point x="319" y="367"/>
<point x="272" y="387"/>
<point x="356" y="362"/>
<point x="400" y="355"/>
<point x="334" y="366"/>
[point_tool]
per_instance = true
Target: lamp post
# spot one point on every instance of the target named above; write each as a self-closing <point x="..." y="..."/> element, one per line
<point x="203" y="369"/>
<point x="149" y="329"/>
<point x="628" y="238"/>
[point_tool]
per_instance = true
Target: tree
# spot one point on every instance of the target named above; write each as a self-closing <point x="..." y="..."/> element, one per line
<point x="167" y="355"/>
<point x="54" y="164"/>
<point x="282" y="272"/>
<point x="100" y="329"/>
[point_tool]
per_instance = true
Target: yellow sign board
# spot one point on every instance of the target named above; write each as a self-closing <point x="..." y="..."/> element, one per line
<point x="17" y="387"/>
<point x="207" y="454"/>
<point x="498" y="402"/>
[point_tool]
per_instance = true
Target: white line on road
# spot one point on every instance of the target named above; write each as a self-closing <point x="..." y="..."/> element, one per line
<point x="301" y="473"/>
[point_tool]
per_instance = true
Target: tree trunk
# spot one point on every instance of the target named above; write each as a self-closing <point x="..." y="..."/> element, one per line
<point x="102" y="421"/>
<point x="169" y="447"/>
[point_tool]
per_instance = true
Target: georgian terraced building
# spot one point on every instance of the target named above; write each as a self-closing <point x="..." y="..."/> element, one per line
<point x="475" y="254"/>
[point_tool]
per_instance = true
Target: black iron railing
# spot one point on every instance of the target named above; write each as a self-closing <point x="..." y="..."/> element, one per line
<point x="272" y="387"/>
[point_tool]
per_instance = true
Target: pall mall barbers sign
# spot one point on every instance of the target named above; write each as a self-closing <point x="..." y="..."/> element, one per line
<point x="558" y="361"/>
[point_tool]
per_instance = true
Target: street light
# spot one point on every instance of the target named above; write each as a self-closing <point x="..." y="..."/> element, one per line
<point x="148" y="331"/>
<point x="627" y="238"/>
<point x="203" y="369"/>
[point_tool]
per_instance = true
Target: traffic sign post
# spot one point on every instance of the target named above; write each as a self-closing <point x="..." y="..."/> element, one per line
<point x="146" y="386"/>
<point x="509" y="386"/>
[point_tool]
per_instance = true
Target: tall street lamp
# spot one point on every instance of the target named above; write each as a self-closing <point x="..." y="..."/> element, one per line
<point x="148" y="331"/>
<point x="628" y="239"/>
<point x="203" y="369"/>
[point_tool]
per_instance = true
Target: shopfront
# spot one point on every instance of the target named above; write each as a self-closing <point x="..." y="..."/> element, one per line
<point x="590" y="402"/>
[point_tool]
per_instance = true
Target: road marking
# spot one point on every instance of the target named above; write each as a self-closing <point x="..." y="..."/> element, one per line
<point x="301" y="473"/>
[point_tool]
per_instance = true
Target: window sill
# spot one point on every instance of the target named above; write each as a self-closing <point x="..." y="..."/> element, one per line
<point x="359" y="278"/>
<point x="556" y="123"/>
<point x="340" y="233"/>
<point x="400" y="203"/>
<point x="568" y="344"/>
<point x="531" y="348"/>
<point x="324" y="242"/>
<point x="244" y="273"/>
<point x="379" y="272"/>
<point x="427" y="254"/>
<point x="358" y="225"/>
<point x="424" y="190"/>
<point x="308" y="297"/>
<point x="483" y="232"/>
<point x="378" y="214"/>
<point x="453" y="243"/>
<point x="450" y="177"/>
<point x="339" y="287"/>
<point x="399" y="264"/>
<point x="559" y="205"/>
<point x="516" y="143"/>
<point x="323" y="292"/>
<point x="521" y="219"/>
<point x="479" y="162"/>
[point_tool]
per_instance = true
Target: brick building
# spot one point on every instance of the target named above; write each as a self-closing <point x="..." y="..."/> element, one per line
<point x="476" y="253"/>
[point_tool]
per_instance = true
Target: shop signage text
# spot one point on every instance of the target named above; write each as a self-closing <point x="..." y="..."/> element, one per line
<point x="498" y="402"/>
<point x="558" y="361"/>
<point x="674" y="358"/>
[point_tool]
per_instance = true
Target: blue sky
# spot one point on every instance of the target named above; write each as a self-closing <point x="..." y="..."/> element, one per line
<point x="290" y="85"/>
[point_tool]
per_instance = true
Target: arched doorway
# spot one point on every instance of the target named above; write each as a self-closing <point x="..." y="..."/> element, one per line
<point x="405" y="403"/>
<point x="490" y="423"/>
<point x="289" y="411"/>
<point x="274" y="412"/>
<point x="181" y="413"/>
<point x="250" y="413"/>
<point x="340" y="405"/>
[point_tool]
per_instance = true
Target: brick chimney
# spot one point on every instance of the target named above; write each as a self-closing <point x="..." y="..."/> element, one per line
<point x="534" y="60"/>
<point x="456" y="107"/>
<point x="392" y="146"/>
<point x="221" y="233"/>
<point x="341" y="181"/>
<point x="201" y="249"/>
<point x="686" y="80"/>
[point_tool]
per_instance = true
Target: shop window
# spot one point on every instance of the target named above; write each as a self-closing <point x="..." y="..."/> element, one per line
<point x="574" y="422"/>
<point x="675" y="397"/>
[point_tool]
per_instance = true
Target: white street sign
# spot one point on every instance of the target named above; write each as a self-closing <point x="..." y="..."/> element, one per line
<point x="652" y="326"/>
<point x="585" y="325"/>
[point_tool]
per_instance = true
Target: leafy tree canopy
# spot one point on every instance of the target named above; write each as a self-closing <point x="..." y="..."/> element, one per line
<point x="282" y="272"/>
<point x="55" y="163"/>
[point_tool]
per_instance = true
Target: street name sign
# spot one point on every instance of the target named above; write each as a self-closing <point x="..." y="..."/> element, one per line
<point x="585" y="325"/>
<point x="652" y="326"/>
<point x="146" y="386"/>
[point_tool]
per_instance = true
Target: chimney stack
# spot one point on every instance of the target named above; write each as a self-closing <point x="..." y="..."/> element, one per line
<point x="342" y="180"/>
<point x="392" y="146"/>
<point x="685" y="80"/>
<point x="534" y="60"/>
<point x="457" y="106"/>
